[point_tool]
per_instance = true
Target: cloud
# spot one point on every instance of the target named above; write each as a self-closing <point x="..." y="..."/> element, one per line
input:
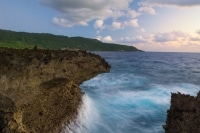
<point x="195" y="39"/>
<point x="168" y="41"/>
<point x="133" y="14"/>
<point x="146" y="9"/>
<point x="142" y="30"/>
<point x="108" y="39"/>
<point x="116" y="25"/>
<point x="99" y="38"/>
<point x="105" y="39"/>
<point x="170" y="2"/>
<point x="79" y="12"/>
<point x="170" y="36"/>
<point x="198" y="31"/>
<point x="175" y="38"/>
<point x="98" y="24"/>
<point x="67" y="23"/>
<point x="134" y="40"/>
<point x="131" y="23"/>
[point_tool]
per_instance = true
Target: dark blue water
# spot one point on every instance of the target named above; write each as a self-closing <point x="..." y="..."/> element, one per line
<point x="135" y="96"/>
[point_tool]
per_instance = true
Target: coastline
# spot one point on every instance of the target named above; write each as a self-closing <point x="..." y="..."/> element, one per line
<point x="40" y="88"/>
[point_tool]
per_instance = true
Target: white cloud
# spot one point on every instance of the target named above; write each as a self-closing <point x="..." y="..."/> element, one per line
<point x="108" y="39"/>
<point x="98" y="24"/>
<point x="176" y="37"/>
<point x="79" y="12"/>
<point x="170" y="2"/>
<point x="66" y="23"/>
<point x="116" y="25"/>
<point x="145" y="9"/>
<point x="99" y="38"/>
<point x="132" y="23"/>
<point x="142" y="30"/>
<point x="170" y="36"/>
<point x="133" y="14"/>
<point x="134" y="40"/>
<point x="104" y="39"/>
<point x="169" y="41"/>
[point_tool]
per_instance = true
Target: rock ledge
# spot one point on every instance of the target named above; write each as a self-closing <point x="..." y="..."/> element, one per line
<point x="184" y="114"/>
<point x="39" y="89"/>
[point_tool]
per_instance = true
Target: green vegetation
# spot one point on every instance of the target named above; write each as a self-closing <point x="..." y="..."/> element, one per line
<point x="20" y="40"/>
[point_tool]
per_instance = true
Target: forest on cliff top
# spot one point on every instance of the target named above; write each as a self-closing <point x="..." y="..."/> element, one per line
<point x="12" y="39"/>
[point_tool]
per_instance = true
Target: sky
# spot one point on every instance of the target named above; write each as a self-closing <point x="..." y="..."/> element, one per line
<point x="150" y="25"/>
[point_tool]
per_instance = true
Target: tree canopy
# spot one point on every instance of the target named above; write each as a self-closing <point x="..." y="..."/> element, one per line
<point x="20" y="40"/>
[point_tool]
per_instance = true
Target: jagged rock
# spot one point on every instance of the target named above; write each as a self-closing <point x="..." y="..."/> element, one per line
<point x="184" y="114"/>
<point x="39" y="89"/>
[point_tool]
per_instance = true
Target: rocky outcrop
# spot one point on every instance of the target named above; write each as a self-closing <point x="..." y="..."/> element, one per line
<point x="39" y="89"/>
<point x="184" y="114"/>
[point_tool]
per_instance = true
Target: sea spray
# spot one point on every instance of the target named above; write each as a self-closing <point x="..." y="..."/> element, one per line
<point x="87" y="116"/>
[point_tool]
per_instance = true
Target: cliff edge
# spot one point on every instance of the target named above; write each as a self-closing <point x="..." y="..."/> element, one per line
<point x="39" y="89"/>
<point x="184" y="114"/>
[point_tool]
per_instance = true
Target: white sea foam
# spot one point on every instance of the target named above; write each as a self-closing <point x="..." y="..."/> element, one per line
<point x="83" y="122"/>
<point x="87" y="120"/>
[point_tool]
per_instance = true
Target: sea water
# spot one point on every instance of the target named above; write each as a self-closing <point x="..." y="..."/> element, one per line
<point x="135" y="95"/>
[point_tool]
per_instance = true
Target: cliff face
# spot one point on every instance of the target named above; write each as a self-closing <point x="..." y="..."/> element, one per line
<point x="184" y="114"/>
<point x="39" y="89"/>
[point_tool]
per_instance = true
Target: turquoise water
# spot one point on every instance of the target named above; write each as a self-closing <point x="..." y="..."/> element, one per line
<point x="135" y="96"/>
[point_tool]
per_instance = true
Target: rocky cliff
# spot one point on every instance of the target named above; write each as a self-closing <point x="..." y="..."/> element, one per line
<point x="39" y="89"/>
<point x="184" y="114"/>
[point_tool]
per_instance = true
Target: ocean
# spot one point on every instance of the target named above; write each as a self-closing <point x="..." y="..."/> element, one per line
<point x="135" y="95"/>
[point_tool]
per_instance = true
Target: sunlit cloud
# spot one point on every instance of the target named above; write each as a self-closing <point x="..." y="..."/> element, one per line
<point x="99" y="24"/>
<point x="116" y="25"/>
<point x="105" y="39"/>
<point x="132" y="23"/>
<point x="170" y="36"/>
<point x="133" y="14"/>
<point x="198" y="31"/>
<point x="142" y="30"/>
<point x="181" y="3"/>
<point x="133" y="40"/>
<point x="167" y="41"/>
<point x="196" y="39"/>
<point x="146" y="9"/>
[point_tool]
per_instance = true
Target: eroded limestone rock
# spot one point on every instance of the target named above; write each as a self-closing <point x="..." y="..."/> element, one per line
<point x="39" y="89"/>
<point x="184" y="114"/>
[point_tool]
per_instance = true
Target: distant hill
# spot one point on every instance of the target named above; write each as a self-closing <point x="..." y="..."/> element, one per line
<point x="20" y="40"/>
